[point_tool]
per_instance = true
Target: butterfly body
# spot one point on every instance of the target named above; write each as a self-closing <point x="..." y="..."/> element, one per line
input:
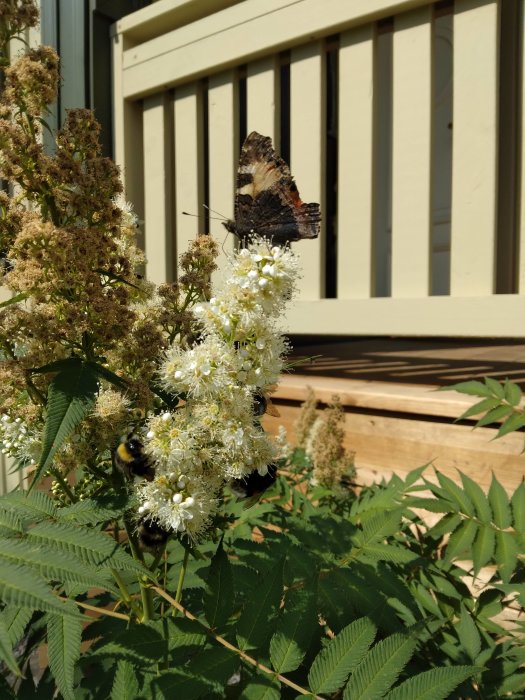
<point x="267" y="201"/>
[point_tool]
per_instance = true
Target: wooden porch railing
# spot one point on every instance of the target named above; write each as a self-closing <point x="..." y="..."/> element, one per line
<point x="402" y="118"/>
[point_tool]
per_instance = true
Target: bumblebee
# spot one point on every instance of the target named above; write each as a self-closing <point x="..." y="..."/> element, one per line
<point x="151" y="535"/>
<point x="254" y="485"/>
<point x="130" y="459"/>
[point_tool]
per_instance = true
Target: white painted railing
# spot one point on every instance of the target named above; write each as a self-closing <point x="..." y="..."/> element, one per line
<point x="400" y="118"/>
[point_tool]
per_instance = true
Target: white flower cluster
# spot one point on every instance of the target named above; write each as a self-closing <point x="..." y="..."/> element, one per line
<point x="17" y="440"/>
<point x="215" y="435"/>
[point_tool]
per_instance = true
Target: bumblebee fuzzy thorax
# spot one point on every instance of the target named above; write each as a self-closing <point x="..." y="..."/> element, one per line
<point x="131" y="460"/>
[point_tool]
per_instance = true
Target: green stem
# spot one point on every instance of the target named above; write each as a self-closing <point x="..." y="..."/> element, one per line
<point x="64" y="485"/>
<point x="146" y="592"/>
<point x="126" y="597"/>
<point x="182" y="574"/>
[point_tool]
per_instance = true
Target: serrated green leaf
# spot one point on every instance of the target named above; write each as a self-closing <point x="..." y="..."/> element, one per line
<point x="34" y="505"/>
<point x="495" y="387"/>
<point x="219" y="597"/>
<point x="253" y="628"/>
<point x="52" y="564"/>
<point x="15" y="620"/>
<point x="140" y="645"/>
<point x="63" y="647"/>
<point x="518" y="507"/>
<point x="21" y="586"/>
<point x="261" y="688"/>
<point x="468" y="634"/>
<point x="461" y="539"/>
<point x="290" y="642"/>
<point x="397" y="554"/>
<point x="456" y="494"/>
<point x="180" y="684"/>
<point x="513" y="393"/>
<point x="125" y="685"/>
<point x="499" y="502"/>
<point x="480" y="407"/>
<point x="509" y="588"/>
<point x="6" y="650"/>
<point x="380" y="668"/>
<point x="217" y="665"/>
<point x="10" y="523"/>
<point x="483" y="547"/>
<point x="494" y="416"/>
<point x="448" y="523"/>
<point x="71" y="397"/>
<point x="478" y="498"/>
<point x="94" y="511"/>
<point x="341" y="655"/>
<point x="513" y="422"/>
<point x="472" y="388"/>
<point x="87" y="544"/>
<point x="435" y="684"/>
<point x="506" y="555"/>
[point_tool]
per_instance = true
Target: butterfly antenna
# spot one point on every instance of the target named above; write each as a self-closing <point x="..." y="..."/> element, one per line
<point x="200" y="216"/>
<point x="221" y="216"/>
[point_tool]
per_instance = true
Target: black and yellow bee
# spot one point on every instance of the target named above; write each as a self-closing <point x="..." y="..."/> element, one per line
<point x="130" y="459"/>
<point x="151" y="535"/>
<point x="254" y="485"/>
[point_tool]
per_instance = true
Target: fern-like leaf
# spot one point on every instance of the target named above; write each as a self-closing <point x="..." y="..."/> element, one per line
<point x="478" y="498"/>
<point x="380" y="668"/>
<point x="518" y="508"/>
<point x="290" y="642"/>
<point x="261" y="688"/>
<point x="21" y="586"/>
<point x="436" y="684"/>
<point x="94" y="512"/>
<point x="33" y="506"/>
<point x="500" y="505"/>
<point x="90" y="546"/>
<point x="70" y="398"/>
<point x="507" y="550"/>
<point x="180" y="684"/>
<point x="483" y="547"/>
<point x="216" y="664"/>
<point x="125" y="685"/>
<point x="52" y="564"/>
<point x="63" y="638"/>
<point x="468" y="634"/>
<point x="6" y="650"/>
<point x="219" y="596"/>
<point x="461" y="539"/>
<point x="15" y="620"/>
<point x="342" y="654"/>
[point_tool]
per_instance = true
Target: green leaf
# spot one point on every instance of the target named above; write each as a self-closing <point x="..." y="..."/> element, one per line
<point x="71" y="397"/>
<point x="21" y="586"/>
<point x="483" y="547"/>
<point x="52" y="564"/>
<point x="180" y="684"/>
<point x="108" y="375"/>
<point x="479" y="407"/>
<point x="125" y="685"/>
<point x="261" y="688"/>
<point x="468" y="634"/>
<point x="456" y="494"/>
<point x="87" y="544"/>
<point x="141" y="645"/>
<point x="495" y="387"/>
<point x="253" y="628"/>
<point x="63" y="648"/>
<point x="494" y="416"/>
<point x="34" y="506"/>
<point x="499" y="503"/>
<point x="448" y="523"/>
<point x="513" y="393"/>
<point x="472" y="388"/>
<point x="15" y="620"/>
<point x="509" y="588"/>
<point x="14" y="300"/>
<point x="506" y="555"/>
<point x="6" y="650"/>
<point x="397" y="554"/>
<point x="435" y="684"/>
<point x="92" y="511"/>
<point x="380" y="668"/>
<point x="461" y="539"/>
<point x="341" y="655"/>
<point x="518" y="507"/>
<point x="478" y="498"/>
<point x="219" y="596"/>
<point x="290" y="642"/>
<point x="513" y="422"/>
<point x="217" y="665"/>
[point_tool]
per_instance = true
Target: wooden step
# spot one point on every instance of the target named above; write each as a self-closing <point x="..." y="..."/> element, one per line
<point x="394" y="428"/>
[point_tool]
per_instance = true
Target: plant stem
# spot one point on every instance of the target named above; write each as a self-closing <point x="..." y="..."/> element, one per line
<point x="145" y="590"/>
<point x="182" y="574"/>
<point x="64" y="485"/>
<point x="231" y="647"/>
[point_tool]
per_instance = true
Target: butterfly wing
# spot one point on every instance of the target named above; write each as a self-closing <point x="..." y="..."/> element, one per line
<point x="267" y="200"/>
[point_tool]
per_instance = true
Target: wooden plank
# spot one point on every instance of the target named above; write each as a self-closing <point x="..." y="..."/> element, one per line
<point x="247" y="31"/>
<point x="307" y="161"/>
<point x="223" y="140"/>
<point x="189" y="165"/>
<point x="474" y="161"/>
<point x="157" y="189"/>
<point x="262" y="98"/>
<point x="430" y="316"/>
<point x="386" y="445"/>
<point x="355" y="205"/>
<point x="411" y="167"/>
<point x="521" y="156"/>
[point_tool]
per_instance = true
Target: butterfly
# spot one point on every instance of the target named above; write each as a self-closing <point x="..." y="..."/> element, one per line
<point x="267" y="201"/>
